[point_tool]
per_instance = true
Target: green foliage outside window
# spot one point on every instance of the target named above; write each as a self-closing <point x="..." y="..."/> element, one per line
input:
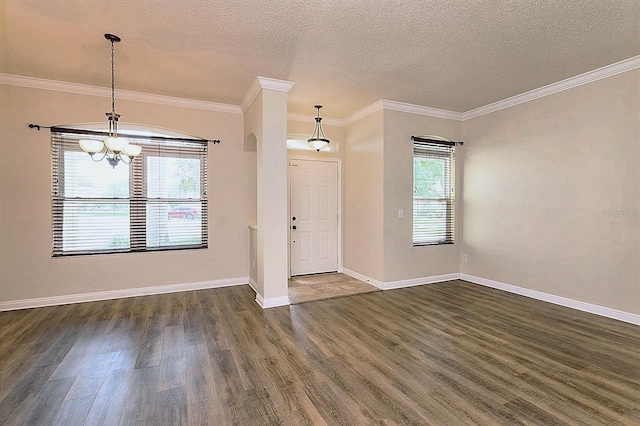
<point x="428" y="178"/>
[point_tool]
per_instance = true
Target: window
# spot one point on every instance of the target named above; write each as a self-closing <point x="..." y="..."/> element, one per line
<point x="433" y="193"/>
<point x="158" y="202"/>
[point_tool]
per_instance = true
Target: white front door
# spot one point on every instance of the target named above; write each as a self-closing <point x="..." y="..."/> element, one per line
<point x="313" y="216"/>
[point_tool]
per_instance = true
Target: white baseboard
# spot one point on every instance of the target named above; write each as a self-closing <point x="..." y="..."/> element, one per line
<point x="558" y="300"/>
<point x="118" y="294"/>
<point x="272" y="302"/>
<point x="391" y="285"/>
<point x="419" y="281"/>
<point x="253" y="285"/>
<point x="268" y="303"/>
<point x="359" y="276"/>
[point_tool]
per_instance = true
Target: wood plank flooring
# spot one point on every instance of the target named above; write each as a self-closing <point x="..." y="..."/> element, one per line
<point x="442" y="354"/>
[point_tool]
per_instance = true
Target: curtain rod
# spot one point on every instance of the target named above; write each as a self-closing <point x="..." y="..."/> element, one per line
<point x="436" y="141"/>
<point x="99" y="133"/>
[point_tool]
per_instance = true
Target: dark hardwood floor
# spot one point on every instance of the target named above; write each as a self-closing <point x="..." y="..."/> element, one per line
<point x="442" y="354"/>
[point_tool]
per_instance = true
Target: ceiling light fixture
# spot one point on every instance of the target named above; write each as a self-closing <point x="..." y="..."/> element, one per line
<point x="117" y="148"/>
<point x="316" y="141"/>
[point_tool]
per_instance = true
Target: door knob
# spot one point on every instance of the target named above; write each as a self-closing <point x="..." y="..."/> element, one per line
<point x="293" y="218"/>
<point x="294" y="227"/>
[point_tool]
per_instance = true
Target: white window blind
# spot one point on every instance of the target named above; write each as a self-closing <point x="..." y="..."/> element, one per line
<point x="433" y="193"/>
<point x="158" y="202"/>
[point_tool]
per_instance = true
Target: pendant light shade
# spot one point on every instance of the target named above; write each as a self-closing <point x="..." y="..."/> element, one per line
<point x="116" y="144"/>
<point x="91" y="146"/>
<point x="132" y="150"/>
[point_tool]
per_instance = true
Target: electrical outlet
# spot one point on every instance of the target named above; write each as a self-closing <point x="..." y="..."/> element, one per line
<point x="400" y="213"/>
<point x="464" y="257"/>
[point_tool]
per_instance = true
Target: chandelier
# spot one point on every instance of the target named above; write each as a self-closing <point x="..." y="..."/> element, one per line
<point x="318" y="140"/>
<point x="117" y="148"/>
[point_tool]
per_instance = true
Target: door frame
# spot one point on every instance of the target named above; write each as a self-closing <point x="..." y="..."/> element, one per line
<point x="338" y="161"/>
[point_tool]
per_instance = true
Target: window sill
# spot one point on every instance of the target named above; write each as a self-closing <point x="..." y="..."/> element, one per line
<point x="433" y="244"/>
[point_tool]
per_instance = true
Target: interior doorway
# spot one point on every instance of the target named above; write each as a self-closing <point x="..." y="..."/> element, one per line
<point x="313" y="217"/>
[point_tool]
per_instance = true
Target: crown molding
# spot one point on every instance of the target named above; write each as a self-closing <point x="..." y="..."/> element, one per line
<point x="358" y="115"/>
<point x="550" y="89"/>
<point x="177" y="102"/>
<point x="285" y="86"/>
<point x="275" y="84"/>
<point x="421" y="110"/>
<point x="569" y="83"/>
<point x="401" y="107"/>
<point x="250" y="96"/>
<point x="104" y="92"/>
<point x="263" y="83"/>
<point x="304" y="118"/>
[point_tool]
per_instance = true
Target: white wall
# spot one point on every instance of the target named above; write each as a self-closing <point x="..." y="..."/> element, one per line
<point x="533" y="182"/>
<point x="27" y="269"/>
<point x="540" y="182"/>
<point x="378" y="182"/>
<point x="273" y="215"/>
<point x="402" y="261"/>
<point x="253" y="128"/>
<point x="363" y="203"/>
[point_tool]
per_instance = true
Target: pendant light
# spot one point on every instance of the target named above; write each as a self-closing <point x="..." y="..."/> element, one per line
<point x="117" y="148"/>
<point x="318" y="140"/>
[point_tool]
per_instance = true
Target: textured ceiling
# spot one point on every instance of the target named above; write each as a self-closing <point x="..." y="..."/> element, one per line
<point x="345" y="54"/>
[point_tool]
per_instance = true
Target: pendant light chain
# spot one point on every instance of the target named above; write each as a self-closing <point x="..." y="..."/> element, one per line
<point x="116" y="149"/>
<point x="113" y="80"/>
<point x="113" y="120"/>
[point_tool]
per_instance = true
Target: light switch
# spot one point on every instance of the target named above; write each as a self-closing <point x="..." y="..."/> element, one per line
<point x="400" y="213"/>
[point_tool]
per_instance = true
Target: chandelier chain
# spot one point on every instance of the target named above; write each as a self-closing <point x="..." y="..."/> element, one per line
<point x="113" y="80"/>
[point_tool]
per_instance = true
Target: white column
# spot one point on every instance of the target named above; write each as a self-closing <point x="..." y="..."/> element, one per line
<point x="265" y="112"/>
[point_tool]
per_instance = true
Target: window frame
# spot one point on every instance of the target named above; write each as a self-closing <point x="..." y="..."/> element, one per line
<point x="434" y="149"/>
<point x="66" y="140"/>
